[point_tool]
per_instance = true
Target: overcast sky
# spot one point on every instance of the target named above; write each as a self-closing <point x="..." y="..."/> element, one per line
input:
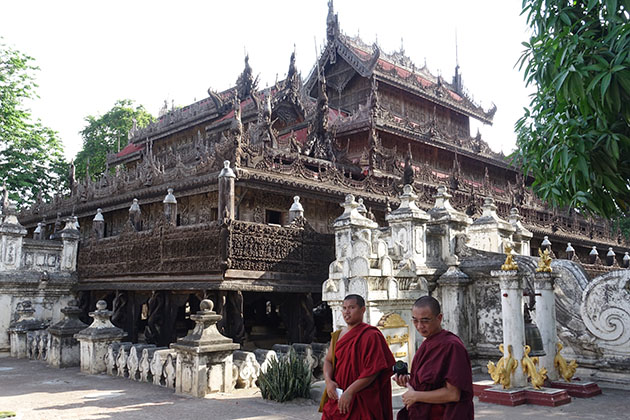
<point x="92" y="53"/>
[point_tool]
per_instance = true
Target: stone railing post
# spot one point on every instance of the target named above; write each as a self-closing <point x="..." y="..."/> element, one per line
<point x="64" y="348"/>
<point x="204" y="356"/>
<point x="18" y="331"/>
<point x="96" y="338"/>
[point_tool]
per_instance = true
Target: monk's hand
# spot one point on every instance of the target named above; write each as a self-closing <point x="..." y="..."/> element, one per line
<point x="409" y="397"/>
<point x="402" y="380"/>
<point x="344" y="402"/>
<point x="331" y="389"/>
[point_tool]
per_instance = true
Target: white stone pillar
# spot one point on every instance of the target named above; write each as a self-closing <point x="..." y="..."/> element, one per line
<point x="513" y="322"/>
<point x="546" y="320"/>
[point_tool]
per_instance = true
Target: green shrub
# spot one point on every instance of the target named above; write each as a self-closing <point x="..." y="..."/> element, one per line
<point x="286" y="378"/>
<point x="6" y="414"/>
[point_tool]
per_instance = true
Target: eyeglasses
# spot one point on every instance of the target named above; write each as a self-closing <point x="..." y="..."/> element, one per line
<point x="423" y="321"/>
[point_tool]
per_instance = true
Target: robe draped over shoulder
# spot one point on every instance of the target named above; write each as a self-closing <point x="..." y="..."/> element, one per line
<point x="441" y="358"/>
<point x="360" y="353"/>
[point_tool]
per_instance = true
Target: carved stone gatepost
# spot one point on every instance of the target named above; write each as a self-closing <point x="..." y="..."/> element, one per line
<point x="64" y="350"/>
<point x="456" y="306"/>
<point x="489" y="232"/>
<point x="511" y="283"/>
<point x="386" y="266"/>
<point x="204" y="356"/>
<point x="70" y="239"/>
<point x="521" y="236"/>
<point x="170" y="208"/>
<point x="98" y="225"/>
<point x="12" y="234"/>
<point x="226" y="192"/>
<point x="546" y="319"/>
<point x="96" y="338"/>
<point x="17" y="331"/>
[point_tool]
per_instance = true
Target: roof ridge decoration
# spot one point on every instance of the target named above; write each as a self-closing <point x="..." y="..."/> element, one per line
<point x="319" y="142"/>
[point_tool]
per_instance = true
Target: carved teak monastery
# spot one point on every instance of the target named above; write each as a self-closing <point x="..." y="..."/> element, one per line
<point x="201" y="204"/>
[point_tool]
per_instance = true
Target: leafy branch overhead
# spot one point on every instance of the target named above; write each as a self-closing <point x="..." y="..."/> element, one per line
<point x="31" y="155"/>
<point x="108" y="134"/>
<point x="574" y="138"/>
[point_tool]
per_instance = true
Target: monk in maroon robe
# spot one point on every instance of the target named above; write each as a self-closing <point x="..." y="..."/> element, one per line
<point x="359" y="386"/>
<point x="440" y="384"/>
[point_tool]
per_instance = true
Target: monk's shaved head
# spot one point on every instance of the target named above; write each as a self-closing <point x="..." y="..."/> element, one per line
<point x="358" y="299"/>
<point x="428" y="302"/>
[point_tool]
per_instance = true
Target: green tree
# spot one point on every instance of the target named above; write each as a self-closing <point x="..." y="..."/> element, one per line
<point x="575" y="137"/>
<point x="107" y="134"/>
<point x="31" y="155"/>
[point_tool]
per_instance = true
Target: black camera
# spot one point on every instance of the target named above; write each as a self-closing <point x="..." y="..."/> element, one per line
<point x="400" y="368"/>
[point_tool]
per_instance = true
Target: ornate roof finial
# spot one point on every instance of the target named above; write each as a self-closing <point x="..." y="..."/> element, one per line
<point x="332" y="23"/>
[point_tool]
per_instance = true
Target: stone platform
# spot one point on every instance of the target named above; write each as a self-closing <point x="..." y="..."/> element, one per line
<point x="36" y="391"/>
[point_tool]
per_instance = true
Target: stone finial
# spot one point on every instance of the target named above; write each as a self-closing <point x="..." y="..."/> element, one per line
<point x="361" y="208"/>
<point x="489" y="208"/>
<point x="545" y="242"/>
<point x="10" y="215"/>
<point x="37" y="233"/>
<point x="75" y="219"/>
<point x="593" y="256"/>
<point x="135" y="215"/>
<point x="610" y="256"/>
<point x="99" y="216"/>
<point x="170" y="208"/>
<point x="296" y="210"/>
<point x="442" y="199"/>
<point x="134" y="206"/>
<point x="170" y="198"/>
<point x="515" y="216"/>
<point x="70" y="224"/>
<point x="570" y="251"/>
<point x="205" y="335"/>
<point x="227" y="172"/>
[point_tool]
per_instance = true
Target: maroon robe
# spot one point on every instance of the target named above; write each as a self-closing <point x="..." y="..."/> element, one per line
<point x="441" y="357"/>
<point x="360" y="353"/>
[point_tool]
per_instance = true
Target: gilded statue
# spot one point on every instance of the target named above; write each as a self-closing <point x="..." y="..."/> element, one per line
<point x="502" y="372"/>
<point x="496" y="370"/>
<point x="544" y="264"/>
<point x="509" y="264"/>
<point x="566" y="370"/>
<point x="537" y="377"/>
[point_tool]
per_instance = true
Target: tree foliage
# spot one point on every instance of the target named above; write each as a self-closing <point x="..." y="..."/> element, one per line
<point x="575" y="137"/>
<point x="31" y="155"/>
<point x="108" y="134"/>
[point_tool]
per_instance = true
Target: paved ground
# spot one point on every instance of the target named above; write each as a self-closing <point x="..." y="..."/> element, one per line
<point x="36" y="391"/>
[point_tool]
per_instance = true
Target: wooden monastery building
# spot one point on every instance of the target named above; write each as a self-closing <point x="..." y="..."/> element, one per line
<point x="364" y="122"/>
